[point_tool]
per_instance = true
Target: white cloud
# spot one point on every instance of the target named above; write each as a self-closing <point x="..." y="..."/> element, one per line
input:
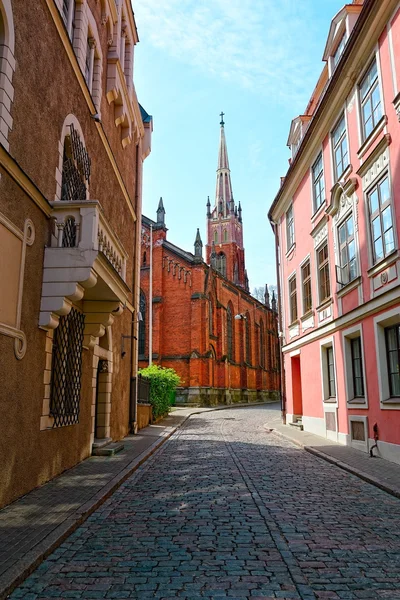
<point x="259" y="44"/>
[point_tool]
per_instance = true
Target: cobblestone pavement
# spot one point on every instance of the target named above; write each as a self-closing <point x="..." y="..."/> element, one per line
<point x="227" y="509"/>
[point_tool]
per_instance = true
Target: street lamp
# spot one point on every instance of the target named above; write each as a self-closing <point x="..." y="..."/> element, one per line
<point x="240" y="317"/>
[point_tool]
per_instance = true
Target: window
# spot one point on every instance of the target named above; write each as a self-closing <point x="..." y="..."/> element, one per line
<point x="142" y="325"/>
<point x="392" y="340"/>
<point x="370" y="98"/>
<point x="68" y="15"/>
<point x="347" y="252"/>
<point x="323" y="273"/>
<point x="339" y="50"/>
<point x="318" y="183"/>
<point x="381" y="219"/>
<point x="357" y="368"/>
<point x="289" y="227"/>
<point x="7" y="67"/>
<point x="75" y="167"/>
<point x="331" y="372"/>
<point x="248" y="338"/>
<point x="210" y="316"/>
<point x="67" y="369"/>
<point x="221" y="264"/>
<point x="225" y="235"/>
<point x="306" y="285"/>
<point x="215" y="237"/>
<point x="262" y="345"/>
<point x="229" y="332"/>
<point x="293" y="299"/>
<point x="340" y="150"/>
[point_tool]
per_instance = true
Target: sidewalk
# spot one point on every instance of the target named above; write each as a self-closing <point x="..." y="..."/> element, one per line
<point x="33" y="526"/>
<point x="379" y="472"/>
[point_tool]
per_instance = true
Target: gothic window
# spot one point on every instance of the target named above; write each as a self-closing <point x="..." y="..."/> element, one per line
<point x="225" y="235"/>
<point x="215" y="237"/>
<point x="235" y="273"/>
<point x="142" y="325"/>
<point x="262" y="345"/>
<point x="230" y="334"/>
<point x="210" y="316"/>
<point x="67" y="369"/>
<point x="248" y="338"/>
<point x="221" y="264"/>
<point x="144" y="259"/>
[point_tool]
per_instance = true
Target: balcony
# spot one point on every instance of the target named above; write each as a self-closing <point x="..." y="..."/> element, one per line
<point x="84" y="261"/>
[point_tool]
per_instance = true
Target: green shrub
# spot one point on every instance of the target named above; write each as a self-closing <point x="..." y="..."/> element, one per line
<point x="162" y="386"/>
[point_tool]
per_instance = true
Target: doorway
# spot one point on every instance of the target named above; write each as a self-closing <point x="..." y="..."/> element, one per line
<point x="296" y="387"/>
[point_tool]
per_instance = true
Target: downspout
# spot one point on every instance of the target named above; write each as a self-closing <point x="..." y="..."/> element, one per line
<point x="280" y="332"/>
<point x="136" y="291"/>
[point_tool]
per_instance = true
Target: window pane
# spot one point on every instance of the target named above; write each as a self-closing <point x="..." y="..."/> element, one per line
<point x="378" y="246"/>
<point x="391" y="338"/>
<point x="395" y="384"/>
<point x="389" y="241"/>
<point x="350" y="228"/>
<point x="338" y="131"/>
<point x="374" y="201"/>
<point x="384" y="190"/>
<point x="387" y="218"/>
<point x="376" y="228"/>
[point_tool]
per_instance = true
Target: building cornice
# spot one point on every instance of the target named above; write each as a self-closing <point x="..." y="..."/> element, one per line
<point x="86" y="94"/>
<point x="373" y="18"/>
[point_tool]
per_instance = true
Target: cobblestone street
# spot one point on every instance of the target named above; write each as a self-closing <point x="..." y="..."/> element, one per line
<point x="227" y="509"/>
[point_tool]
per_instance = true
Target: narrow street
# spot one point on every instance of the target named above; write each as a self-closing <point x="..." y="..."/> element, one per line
<point x="227" y="509"/>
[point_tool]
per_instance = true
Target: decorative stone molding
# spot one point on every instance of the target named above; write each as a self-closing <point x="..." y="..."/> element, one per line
<point x="376" y="163"/>
<point x="294" y="330"/>
<point x="91" y="255"/>
<point x="321" y="234"/>
<point x="13" y="243"/>
<point x="341" y="198"/>
<point x="7" y="68"/>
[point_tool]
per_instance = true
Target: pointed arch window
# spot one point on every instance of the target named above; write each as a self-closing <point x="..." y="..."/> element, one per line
<point x="225" y="235"/>
<point x="221" y="264"/>
<point x="142" y="325"/>
<point x="215" y="237"/>
<point x="262" y="345"/>
<point x="248" y="338"/>
<point x="210" y="316"/>
<point x="230" y="334"/>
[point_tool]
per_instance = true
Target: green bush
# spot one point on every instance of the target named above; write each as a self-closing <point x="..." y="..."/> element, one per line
<point x="162" y="386"/>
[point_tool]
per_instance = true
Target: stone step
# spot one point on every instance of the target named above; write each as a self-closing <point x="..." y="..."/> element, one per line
<point x="297" y="424"/>
<point x="108" y="450"/>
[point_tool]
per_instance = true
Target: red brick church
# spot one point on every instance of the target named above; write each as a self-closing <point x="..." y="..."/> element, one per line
<point x="204" y="323"/>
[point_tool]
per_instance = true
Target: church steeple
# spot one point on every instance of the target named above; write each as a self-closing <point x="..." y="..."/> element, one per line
<point x="161" y="213"/>
<point x="224" y="249"/>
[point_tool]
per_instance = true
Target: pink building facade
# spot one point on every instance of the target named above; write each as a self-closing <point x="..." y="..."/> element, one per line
<point x="336" y="220"/>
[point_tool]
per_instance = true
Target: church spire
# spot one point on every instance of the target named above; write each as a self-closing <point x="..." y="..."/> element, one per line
<point x="198" y="245"/>
<point x="161" y="213"/>
<point x="223" y="192"/>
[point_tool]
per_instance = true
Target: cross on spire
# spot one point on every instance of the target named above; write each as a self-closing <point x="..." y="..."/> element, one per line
<point x="222" y="119"/>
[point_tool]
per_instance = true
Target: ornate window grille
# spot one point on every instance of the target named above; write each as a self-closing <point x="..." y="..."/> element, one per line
<point x="69" y="233"/>
<point x="76" y="168"/>
<point x="142" y="324"/>
<point x="67" y="369"/>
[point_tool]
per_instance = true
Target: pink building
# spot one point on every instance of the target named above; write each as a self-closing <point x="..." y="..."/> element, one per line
<point x="337" y="223"/>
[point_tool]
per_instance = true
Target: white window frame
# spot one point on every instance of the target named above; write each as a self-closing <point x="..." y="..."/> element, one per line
<point x="289" y="245"/>
<point x="335" y="175"/>
<point x="348" y="335"/>
<point x="324" y="345"/>
<point x="292" y="277"/>
<point x="315" y="208"/>
<point x="343" y="219"/>
<point x="302" y="265"/>
<point x="374" y="59"/>
<point x="367" y="193"/>
<point x="317" y="249"/>
<point x="386" y="319"/>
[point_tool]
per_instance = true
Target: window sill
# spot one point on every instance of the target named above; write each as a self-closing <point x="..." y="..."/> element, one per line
<point x="394" y="400"/>
<point x="372" y="136"/>
<point x="290" y="251"/>
<point x="349" y="287"/>
<point x="383" y="263"/>
<point x="320" y="210"/>
<point x="307" y="315"/>
<point x="343" y="176"/>
<point x="325" y="304"/>
<point x="357" y="401"/>
<point x="332" y="400"/>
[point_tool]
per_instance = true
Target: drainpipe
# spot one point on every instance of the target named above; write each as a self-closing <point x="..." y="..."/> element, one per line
<point x="280" y="333"/>
<point x="136" y="291"/>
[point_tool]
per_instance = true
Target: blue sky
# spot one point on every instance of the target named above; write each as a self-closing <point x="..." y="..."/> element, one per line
<point x="258" y="61"/>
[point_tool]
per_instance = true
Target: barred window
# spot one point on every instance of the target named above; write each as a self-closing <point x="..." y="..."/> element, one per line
<point x="340" y="149"/>
<point x="142" y="325"/>
<point x="370" y="97"/>
<point x="306" y="284"/>
<point x="323" y="273"/>
<point x="67" y="369"/>
<point x="293" y="299"/>
<point x="381" y="219"/>
<point x="318" y="183"/>
<point x="230" y="334"/>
